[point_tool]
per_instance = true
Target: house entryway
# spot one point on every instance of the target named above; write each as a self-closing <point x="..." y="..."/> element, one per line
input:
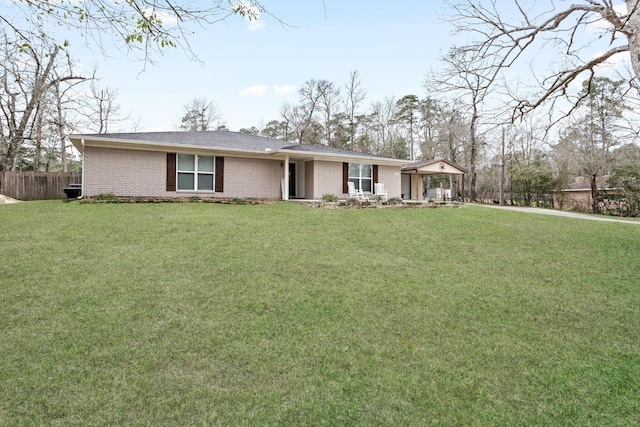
<point x="292" y="180"/>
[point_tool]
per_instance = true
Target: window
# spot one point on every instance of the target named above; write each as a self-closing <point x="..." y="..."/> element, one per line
<point x="195" y="173"/>
<point x="362" y="176"/>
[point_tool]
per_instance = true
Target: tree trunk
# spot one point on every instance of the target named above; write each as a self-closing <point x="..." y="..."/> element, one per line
<point x="8" y="158"/>
<point x="633" y="34"/>
<point x="472" y="159"/>
<point x="594" y="194"/>
<point x="37" y="157"/>
<point x="60" y="127"/>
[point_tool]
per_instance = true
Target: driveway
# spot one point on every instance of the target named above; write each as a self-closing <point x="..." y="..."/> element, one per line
<point x="559" y="213"/>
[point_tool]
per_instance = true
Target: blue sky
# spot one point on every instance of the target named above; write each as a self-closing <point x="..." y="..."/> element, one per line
<point x="250" y="72"/>
<point x="251" y="69"/>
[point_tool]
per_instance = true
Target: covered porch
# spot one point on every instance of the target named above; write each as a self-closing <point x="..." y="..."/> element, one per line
<point x="308" y="175"/>
<point x="426" y="180"/>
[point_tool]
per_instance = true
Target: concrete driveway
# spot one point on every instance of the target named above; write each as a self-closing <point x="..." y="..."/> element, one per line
<point x="559" y="213"/>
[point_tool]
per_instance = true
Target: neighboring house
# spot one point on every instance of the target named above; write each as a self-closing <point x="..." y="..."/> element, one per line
<point x="577" y="197"/>
<point x="227" y="165"/>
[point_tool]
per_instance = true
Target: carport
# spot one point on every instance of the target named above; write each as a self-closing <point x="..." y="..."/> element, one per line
<point x="413" y="186"/>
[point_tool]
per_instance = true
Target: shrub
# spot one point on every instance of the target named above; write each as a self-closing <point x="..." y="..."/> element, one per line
<point x="328" y="197"/>
<point x="106" y="197"/>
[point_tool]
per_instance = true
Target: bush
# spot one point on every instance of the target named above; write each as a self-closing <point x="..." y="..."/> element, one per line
<point x="106" y="197"/>
<point x="328" y="197"/>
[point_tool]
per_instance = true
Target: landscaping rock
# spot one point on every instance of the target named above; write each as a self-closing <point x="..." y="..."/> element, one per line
<point x="6" y="200"/>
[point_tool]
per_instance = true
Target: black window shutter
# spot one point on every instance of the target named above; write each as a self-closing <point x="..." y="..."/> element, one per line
<point x="345" y="177"/>
<point x="219" y="175"/>
<point x="171" y="171"/>
<point x="375" y="174"/>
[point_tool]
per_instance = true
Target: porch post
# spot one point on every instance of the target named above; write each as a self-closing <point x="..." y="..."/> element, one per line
<point x="463" y="194"/>
<point x="285" y="186"/>
<point x="416" y="186"/>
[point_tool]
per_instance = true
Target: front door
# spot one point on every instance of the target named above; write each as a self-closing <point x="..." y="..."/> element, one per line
<point x="292" y="180"/>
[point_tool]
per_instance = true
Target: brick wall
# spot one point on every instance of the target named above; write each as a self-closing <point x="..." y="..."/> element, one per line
<point x="326" y="178"/>
<point x="252" y="178"/>
<point x="390" y="177"/>
<point x="143" y="174"/>
<point x="140" y="173"/>
<point x="124" y="172"/>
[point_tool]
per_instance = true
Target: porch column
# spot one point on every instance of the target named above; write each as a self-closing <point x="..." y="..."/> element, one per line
<point x="285" y="182"/>
<point x="463" y="194"/>
<point x="417" y="187"/>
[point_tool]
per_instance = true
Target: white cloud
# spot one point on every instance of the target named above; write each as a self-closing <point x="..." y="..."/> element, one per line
<point x="256" y="25"/>
<point x="262" y="90"/>
<point x="602" y="24"/>
<point x="283" y="89"/>
<point x="78" y="67"/>
<point x="615" y="62"/>
<point x="257" y="90"/>
<point x="164" y="16"/>
<point x="251" y="13"/>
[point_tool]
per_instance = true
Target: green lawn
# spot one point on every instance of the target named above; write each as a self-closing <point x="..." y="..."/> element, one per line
<point x="206" y="314"/>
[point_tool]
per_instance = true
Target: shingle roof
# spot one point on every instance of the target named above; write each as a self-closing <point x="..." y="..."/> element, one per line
<point x="223" y="140"/>
<point x="316" y="148"/>
<point x="212" y="139"/>
<point x="584" y="183"/>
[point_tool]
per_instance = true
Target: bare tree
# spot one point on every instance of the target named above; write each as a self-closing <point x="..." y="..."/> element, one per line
<point x="385" y="137"/>
<point x="201" y="114"/>
<point x="28" y="74"/>
<point x="465" y="77"/>
<point x="295" y="121"/>
<point x="102" y="111"/>
<point x="328" y="99"/>
<point x="310" y="94"/>
<point x="504" y="32"/>
<point x="355" y="94"/>
<point x="59" y="120"/>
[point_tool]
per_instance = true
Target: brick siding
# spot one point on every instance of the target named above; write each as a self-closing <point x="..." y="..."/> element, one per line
<point x="136" y="173"/>
<point x="326" y="178"/>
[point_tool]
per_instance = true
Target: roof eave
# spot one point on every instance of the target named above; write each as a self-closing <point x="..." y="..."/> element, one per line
<point x="155" y="146"/>
<point x="79" y="141"/>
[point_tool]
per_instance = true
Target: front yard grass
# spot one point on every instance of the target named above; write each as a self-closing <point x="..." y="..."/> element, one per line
<point x="204" y="314"/>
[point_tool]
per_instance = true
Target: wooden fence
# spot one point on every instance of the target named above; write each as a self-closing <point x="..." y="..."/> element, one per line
<point x="37" y="185"/>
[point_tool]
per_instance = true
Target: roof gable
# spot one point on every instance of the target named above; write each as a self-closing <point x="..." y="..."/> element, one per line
<point x="435" y="167"/>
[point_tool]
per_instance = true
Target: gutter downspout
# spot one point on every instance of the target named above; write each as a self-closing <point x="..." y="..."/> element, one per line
<point x="285" y="187"/>
<point x="83" y="149"/>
